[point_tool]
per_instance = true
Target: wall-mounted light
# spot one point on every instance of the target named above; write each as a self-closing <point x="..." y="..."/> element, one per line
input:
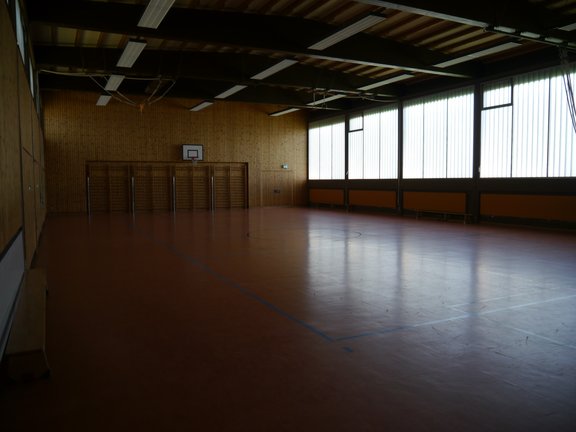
<point x="346" y="32"/>
<point x="131" y="52"/>
<point x="201" y="106"/>
<point x="155" y="13"/>
<point x="103" y="100"/>
<point x="114" y="82"/>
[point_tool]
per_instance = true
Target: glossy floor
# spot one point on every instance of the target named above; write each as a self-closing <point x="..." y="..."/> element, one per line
<point x="302" y="320"/>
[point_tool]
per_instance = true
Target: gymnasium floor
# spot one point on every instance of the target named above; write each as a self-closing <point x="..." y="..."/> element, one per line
<point x="302" y="320"/>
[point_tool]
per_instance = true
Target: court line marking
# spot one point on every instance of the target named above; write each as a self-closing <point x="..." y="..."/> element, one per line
<point x="460" y="317"/>
<point x="231" y="283"/>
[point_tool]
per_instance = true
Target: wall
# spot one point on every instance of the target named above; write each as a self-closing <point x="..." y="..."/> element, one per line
<point x="22" y="209"/>
<point x="78" y="131"/>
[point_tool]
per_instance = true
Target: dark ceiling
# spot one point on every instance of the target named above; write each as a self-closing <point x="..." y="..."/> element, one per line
<point x="203" y="48"/>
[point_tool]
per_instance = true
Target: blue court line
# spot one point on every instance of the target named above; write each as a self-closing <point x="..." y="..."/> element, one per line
<point x="231" y="283"/>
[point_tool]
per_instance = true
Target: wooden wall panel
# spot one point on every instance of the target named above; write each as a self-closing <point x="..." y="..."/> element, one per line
<point x="451" y="202"/>
<point x="29" y="197"/>
<point x="372" y="198"/>
<point x="10" y="169"/>
<point x="76" y="131"/>
<point x="548" y="207"/>
<point x="277" y="188"/>
<point x="26" y="110"/>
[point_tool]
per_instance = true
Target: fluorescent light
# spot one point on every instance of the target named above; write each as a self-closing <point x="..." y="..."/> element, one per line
<point x="284" y="111"/>
<point x="478" y="54"/>
<point x="201" y="106"/>
<point x="568" y="27"/>
<point x="505" y="29"/>
<point x="553" y="40"/>
<point x="326" y="99"/>
<point x="346" y="32"/>
<point x="385" y="82"/>
<point x="274" y="69"/>
<point x="231" y="91"/>
<point x="530" y="35"/>
<point x="131" y="52"/>
<point x="155" y="13"/>
<point x="103" y="100"/>
<point x="114" y="82"/>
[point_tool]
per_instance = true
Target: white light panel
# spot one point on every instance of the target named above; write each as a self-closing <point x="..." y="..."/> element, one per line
<point x="346" y="32"/>
<point x="114" y="82"/>
<point x="385" y="82"/>
<point x="103" y="100"/>
<point x="274" y="69"/>
<point x="155" y="13"/>
<point x="201" y="106"/>
<point x="132" y="50"/>
<point x="478" y="54"/>
<point x="231" y="91"/>
<point x="283" y="112"/>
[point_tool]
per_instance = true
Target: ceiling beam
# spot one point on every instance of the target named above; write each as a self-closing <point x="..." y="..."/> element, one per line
<point x="522" y="16"/>
<point x="230" y="68"/>
<point x="270" y="34"/>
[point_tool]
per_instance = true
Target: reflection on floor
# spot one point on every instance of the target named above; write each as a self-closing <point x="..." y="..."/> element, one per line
<point x="302" y="320"/>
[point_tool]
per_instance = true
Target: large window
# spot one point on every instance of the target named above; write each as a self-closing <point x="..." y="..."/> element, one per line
<point x="526" y="127"/>
<point x="439" y="136"/>
<point x="326" y="140"/>
<point x="373" y="145"/>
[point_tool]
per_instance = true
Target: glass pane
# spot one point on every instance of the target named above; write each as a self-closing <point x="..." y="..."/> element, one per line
<point x="372" y="146"/>
<point x="497" y="93"/>
<point x="389" y="144"/>
<point x="460" y="138"/>
<point x="413" y="129"/>
<point x="435" y="138"/>
<point x="496" y="148"/>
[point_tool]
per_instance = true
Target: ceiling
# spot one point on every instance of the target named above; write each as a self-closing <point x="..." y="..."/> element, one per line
<point x="202" y="50"/>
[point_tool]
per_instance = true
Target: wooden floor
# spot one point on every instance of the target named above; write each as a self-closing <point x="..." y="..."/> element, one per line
<point x="302" y="320"/>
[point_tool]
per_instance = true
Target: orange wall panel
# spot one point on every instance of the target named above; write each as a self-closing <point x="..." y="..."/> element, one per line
<point x="326" y="196"/>
<point x="372" y="198"/>
<point x="549" y="207"/>
<point x="454" y="202"/>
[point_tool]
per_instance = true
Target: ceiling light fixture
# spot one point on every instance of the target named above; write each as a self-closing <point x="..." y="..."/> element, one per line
<point x="478" y="54"/>
<point x="283" y="112"/>
<point x="530" y="35"/>
<point x="114" y="82"/>
<point x="274" y="69"/>
<point x="346" y="32"/>
<point x="385" y="82"/>
<point x="326" y="99"/>
<point x="103" y="100"/>
<point x="231" y="91"/>
<point x="568" y="27"/>
<point x="155" y="13"/>
<point x="201" y="106"/>
<point x="131" y="52"/>
<point x="504" y="29"/>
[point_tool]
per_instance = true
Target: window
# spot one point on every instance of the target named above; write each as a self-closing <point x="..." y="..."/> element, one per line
<point x="326" y="149"/>
<point x="20" y="32"/>
<point x="438" y="136"/>
<point x="373" y="148"/>
<point x="526" y="127"/>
